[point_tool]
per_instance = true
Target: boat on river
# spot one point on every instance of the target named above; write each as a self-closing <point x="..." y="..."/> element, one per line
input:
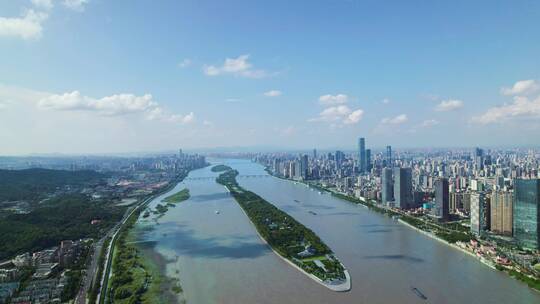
<point x="418" y="293"/>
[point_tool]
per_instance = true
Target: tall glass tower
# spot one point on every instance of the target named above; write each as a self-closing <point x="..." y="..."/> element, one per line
<point x="403" y="187"/>
<point x="389" y="156"/>
<point x="527" y="212"/>
<point x="362" y="154"/>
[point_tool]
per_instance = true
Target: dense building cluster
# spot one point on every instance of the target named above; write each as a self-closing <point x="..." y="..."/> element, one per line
<point x="498" y="190"/>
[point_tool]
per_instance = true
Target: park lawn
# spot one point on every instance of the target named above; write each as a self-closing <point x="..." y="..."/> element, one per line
<point x="313" y="258"/>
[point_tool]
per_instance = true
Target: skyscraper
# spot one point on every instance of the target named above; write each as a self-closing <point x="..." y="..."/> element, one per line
<point x="479" y="213"/>
<point x="441" y="209"/>
<point x="387" y="186"/>
<point x="303" y="166"/>
<point x="526" y="212"/>
<point x="362" y="154"/>
<point x="479" y="158"/>
<point x="340" y="156"/>
<point x="501" y="212"/>
<point x="403" y="187"/>
<point x="389" y="156"/>
<point x="368" y="160"/>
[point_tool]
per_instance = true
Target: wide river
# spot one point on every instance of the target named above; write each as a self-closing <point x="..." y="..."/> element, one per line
<point x="219" y="258"/>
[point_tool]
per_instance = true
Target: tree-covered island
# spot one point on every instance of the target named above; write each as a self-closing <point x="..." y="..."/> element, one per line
<point x="289" y="238"/>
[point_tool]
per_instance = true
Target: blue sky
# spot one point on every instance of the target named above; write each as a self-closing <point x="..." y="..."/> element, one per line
<point x="93" y="76"/>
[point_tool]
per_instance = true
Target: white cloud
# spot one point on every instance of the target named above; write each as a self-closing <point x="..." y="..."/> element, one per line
<point x="273" y="93"/>
<point x="118" y="104"/>
<point x="114" y="105"/>
<point x="233" y="99"/>
<point x="28" y="26"/>
<point x="76" y="5"/>
<point x="402" y="118"/>
<point x="429" y="123"/>
<point x="385" y="101"/>
<point x="185" y="63"/>
<point x="354" y="117"/>
<point x="449" y="105"/>
<point x="44" y="4"/>
<point x="235" y="66"/>
<point x="339" y="114"/>
<point x="183" y="119"/>
<point x="522" y="87"/>
<point x="329" y="100"/>
<point x="159" y="114"/>
<point x="521" y="107"/>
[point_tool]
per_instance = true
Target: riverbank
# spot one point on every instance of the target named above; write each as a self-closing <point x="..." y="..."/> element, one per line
<point x="124" y="273"/>
<point x="280" y="231"/>
<point x="431" y="235"/>
<point x="442" y="233"/>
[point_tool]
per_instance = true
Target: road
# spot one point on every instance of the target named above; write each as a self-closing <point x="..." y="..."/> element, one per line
<point x="91" y="272"/>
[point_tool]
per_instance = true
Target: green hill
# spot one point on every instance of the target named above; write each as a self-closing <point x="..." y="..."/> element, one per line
<point x="34" y="184"/>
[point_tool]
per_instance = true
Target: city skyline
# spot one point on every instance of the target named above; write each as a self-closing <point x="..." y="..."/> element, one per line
<point x="111" y="78"/>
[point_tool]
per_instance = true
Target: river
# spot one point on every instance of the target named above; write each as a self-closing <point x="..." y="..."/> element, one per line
<point x="220" y="259"/>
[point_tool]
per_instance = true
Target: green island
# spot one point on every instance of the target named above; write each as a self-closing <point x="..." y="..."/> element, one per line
<point x="296" y="243"/>
<point x="171" y="200"/>
<point x="220" y="168"/>
<point x="178" y="197"/>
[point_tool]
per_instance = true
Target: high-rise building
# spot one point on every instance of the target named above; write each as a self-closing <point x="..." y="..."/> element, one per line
<point x="314" y="153"/>
<point x="368" y="160"/>
<point x="362" y="155"/>
<point x="387" y="187"/>
<point x="479" y="213"/>
<point x="340" y="157"/>
<point x="442" y="204"/>
<point x="501" y="212"/>
<point x="303" y="166"/>
<point x="403" y="187"/>
<point x="526" y="211"/>
<point x="479" y="158"/>
<point x="389" y="156"/>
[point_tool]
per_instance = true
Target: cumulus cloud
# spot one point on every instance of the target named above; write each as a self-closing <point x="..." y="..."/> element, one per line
<point x="185" y="63"/>
<point x="235" y="66"/>
<point x="522" y="87"/>
<point x="27" y="26"/>
<point x="273" y="93"/>
<point x="339" y="114"/>
<point x="400" y="119"/>
<point x="449" y="105"/>
<point x="521" y="107"/>
<point x="118" y="104"/>
<point x="76" y="5"/>
<point x="114" y="105"/>
<point x="183" y="119"/>
<point x="385" y="101"/>
<point x="354" y="117"/>
<point x="329" y="100"/>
